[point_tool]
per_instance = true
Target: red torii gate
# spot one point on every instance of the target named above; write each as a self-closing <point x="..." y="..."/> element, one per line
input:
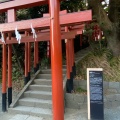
<point x="55" y="40"/>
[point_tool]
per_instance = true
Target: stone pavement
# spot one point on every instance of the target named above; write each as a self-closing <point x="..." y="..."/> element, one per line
<point x="71" y="114"/>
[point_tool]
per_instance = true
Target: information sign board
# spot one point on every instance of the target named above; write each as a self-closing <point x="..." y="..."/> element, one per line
<point x="95" y="93"/>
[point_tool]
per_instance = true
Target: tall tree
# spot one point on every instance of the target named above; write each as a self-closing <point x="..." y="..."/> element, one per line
<point x="109" y="22"/>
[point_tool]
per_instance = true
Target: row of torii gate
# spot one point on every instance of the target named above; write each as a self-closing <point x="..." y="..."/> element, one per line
<point x="52" y="27"/>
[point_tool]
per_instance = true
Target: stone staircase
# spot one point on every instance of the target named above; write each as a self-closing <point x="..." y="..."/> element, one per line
<point x="36" y="100"/>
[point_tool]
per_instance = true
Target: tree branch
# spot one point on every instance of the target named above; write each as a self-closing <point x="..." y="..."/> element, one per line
<point x="101" y="15"/>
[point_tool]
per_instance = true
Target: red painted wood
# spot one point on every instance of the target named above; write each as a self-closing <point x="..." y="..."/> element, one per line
<point x="11" y="16"/>
<point x="81" y="26"/>
<point x="9" y="66"/>
<point x="56" y="61"/>
<point x="70" y="54"/>
<point x="67" y="55"/>
<point x="29" y="56"/>
<point x="73" y="27"/>
<point x="19" y="4"/>
<point x="4" y="67"/>
<point x="61" y="13"/>
<point x="73" y="51"/>
<point x="41" y="37"/>
<point x="78" y="31"/>
<point x="37" y="53"/>
<point x="26" y="59"/>
<point x="67" y="19"/>
<point x="35" y="58"/>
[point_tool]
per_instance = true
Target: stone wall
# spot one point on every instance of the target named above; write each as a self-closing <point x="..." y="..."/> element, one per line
<point x="79" y="101"/>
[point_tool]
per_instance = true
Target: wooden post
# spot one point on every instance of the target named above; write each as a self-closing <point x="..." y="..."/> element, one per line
<point x="35" y="58"/>
<point x="68" y="84"/>
<point x="4" y="75"/>
<point x="74" y="67"/>
<point x="11" y="14"/>
<point x="26" y="64"/>
<point x="71" y="64"/>
<point x="56" y="61"/>
<point x="29" y="59"/>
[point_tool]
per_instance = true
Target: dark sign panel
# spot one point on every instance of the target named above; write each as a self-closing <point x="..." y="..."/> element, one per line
<point x="2" y="1"/>
<point x="96" y="95"/>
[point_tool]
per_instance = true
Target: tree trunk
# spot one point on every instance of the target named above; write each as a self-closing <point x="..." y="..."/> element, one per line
<point x="113" y="44"/>
<point x="110" y="26"/>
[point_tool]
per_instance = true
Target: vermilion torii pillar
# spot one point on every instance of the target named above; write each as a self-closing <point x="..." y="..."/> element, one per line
<point x="37" y="56"/>
<point x="56" y="61"/>
<point x="11" y="14"/>
<point x="73" y="53"/>
<point x="29" y="59"/>
<point x="4" y="76"/>
<point x="68" y="84"/>
<point x="71" y="64"/>
<point x="26" y="64"/>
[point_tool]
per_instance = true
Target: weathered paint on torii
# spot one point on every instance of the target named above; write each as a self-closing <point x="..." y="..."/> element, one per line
<point x="55" y="40"/>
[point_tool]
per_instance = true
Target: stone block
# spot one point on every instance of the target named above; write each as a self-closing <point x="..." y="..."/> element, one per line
<point x="105" y="85"/>
<point x="115" y="104"/>
<point x="79" y="98"/>
<point x="69" y="96"/>
<point x="104" y="91"/>
<point x="108" y="105"/>
<point x="118" y="91"/>
<point x="114" y="85"/>
<point x="84" y="87"/>
<point x="85" y="100"/>
<point x="118" y="97"/>
<point x="76" y="83"/>
<point x="83" y="83"/>
<point x="72" y="104"/>
<point x="111" y="98"/>
<point x="105" y="100"/>
<point x="83" y="106"/>
<point x="111" y="90"/>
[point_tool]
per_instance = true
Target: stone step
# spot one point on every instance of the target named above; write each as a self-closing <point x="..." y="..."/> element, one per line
<point x="42" y="82"/>
<point x="43" y="76"/>
<point x="38" y="94"/>
<point x="34" y="102"/>
<point x="48" y="71"/>
<point x="64" y="66"/>
<point x="40" y="112"/>
<point x="37" y="87"/>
